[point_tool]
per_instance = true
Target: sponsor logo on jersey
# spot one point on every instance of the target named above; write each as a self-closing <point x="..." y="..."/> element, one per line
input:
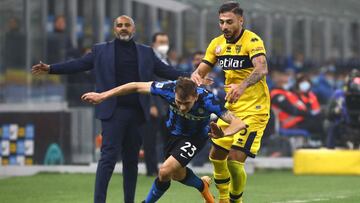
<point x="234" y="62"/>
<point x="187" y="115"/>
<point x="228" y="63"/>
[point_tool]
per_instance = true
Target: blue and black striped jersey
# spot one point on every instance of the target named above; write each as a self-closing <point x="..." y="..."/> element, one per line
<point x="196" y="121"/>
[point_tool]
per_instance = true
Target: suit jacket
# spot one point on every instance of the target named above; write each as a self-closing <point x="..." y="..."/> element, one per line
<point x="101" y="60"/>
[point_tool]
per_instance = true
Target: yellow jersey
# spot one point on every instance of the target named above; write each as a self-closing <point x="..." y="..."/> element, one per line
<point x="235" y="60"/>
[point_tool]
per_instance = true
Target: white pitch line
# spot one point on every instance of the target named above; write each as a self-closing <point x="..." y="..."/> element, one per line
<point x="311" y="200"/>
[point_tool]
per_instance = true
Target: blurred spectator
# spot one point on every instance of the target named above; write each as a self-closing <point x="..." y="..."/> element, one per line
<point x="59" y="46"/>
<point x="217" y="75"/>
<point x="189" y="64"/>
<point x="173" y="58"/>
<point x="12" y="71"/>
<point x="202" y="156"/>
<point x="197" y="59"/>
<point x="14" y="46"/>
<point x="343" y="114"/>
<point x="290" y="110"/>
<point x="324" y="84"/>
<point x="160" y="45"/>
<point x="158" y="111"/>
<point x="303" y="91"/>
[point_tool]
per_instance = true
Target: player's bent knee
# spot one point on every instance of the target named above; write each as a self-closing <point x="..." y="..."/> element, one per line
<point x="237" y="155"/>
<point x="165" y="173"/>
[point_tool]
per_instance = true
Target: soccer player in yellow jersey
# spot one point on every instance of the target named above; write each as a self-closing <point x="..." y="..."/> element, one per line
<point x="241" y="55"/>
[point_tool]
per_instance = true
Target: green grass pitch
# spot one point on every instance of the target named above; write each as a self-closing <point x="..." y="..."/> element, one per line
<point x="262" y="187"/>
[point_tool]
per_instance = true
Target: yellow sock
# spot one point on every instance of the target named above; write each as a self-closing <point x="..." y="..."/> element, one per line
<point x="221" y="177"/>
<point x="238" y="180"/>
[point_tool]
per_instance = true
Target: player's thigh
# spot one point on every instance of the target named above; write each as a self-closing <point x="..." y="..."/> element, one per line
<point x="218" y="153"/>
<point x="170" y="165"/>
<point x="249" y="139"/>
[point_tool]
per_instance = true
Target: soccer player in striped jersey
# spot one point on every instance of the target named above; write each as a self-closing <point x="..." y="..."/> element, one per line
<point x="188" y="125"/>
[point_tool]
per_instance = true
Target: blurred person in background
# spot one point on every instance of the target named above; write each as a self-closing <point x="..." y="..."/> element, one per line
<point x="158" y="111"/>
<point x="324" y="83"/>
<point x="59" y="46"/>
<point x="241" y="55"/>
<point x="161" y="45"/>
<point x="343" y="114"/>
<point x="303" y="91"/>
<point x="290" y="110"/>
<point x="202" y="157"/>
<point x="14" y="45"/>
<point x="173" y="58"/>
<point x="192" y="62"/>
<point x="114" y="63"/>
<point x="13" y="58"/>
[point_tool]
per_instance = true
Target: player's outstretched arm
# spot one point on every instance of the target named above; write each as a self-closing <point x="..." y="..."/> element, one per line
<point x="132" y="87"/>
<point x="199" y="75"/>
<point x="236" y="124"/>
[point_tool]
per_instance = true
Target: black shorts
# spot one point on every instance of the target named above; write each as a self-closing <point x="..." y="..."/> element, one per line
<point x="183" y="149"/>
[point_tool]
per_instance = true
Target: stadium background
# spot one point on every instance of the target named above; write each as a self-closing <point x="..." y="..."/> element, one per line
<point x="36" y="112"/>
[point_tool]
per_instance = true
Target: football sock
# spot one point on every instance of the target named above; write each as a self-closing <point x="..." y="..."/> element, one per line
<point x="157" y="190"/>
<point x="192" y="180"/>
<point x="221" y="177"/>
<point x="238" y="180"/>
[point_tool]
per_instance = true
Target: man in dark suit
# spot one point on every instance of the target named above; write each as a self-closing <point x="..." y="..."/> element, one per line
<point x="115" y="63"/>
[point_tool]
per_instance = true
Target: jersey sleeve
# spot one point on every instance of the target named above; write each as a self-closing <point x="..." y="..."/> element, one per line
<point x="163" y="89"/>
<point x="210" y="57"/>
<point x="214" y="105"/>
<point x="255" y="47"/>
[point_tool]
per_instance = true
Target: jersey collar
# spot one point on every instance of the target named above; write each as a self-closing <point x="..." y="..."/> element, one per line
<point x="237" y="39"/>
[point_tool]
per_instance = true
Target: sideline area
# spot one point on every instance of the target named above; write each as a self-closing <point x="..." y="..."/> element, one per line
<point x="252" y="164"/>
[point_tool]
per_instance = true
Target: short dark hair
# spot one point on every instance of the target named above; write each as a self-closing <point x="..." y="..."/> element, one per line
<point x="155" y="35"/>
<point x="231" y="6"/>
<point x="185" y="87"/>
<point x="198" y="53"/>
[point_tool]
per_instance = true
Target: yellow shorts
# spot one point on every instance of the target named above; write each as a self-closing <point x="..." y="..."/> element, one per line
<point x="247" y="140"/>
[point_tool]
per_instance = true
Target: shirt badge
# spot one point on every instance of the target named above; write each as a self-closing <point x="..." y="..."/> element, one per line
<point x="218" y="50"/>
<point x="238" y="48"/>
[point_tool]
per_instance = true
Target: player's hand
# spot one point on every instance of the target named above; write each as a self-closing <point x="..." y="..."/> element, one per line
<point x="201" y="81"/>
<point x="196" y="78"/>
<point x="40" y="68"/>
<point x="92" y="97"/>
<point x="215" y="131"/>
<point x="234" y="93"/>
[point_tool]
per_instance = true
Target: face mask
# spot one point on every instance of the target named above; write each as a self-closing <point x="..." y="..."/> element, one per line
<point x="163" y="49"/>
<point x="304" y="86"/>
